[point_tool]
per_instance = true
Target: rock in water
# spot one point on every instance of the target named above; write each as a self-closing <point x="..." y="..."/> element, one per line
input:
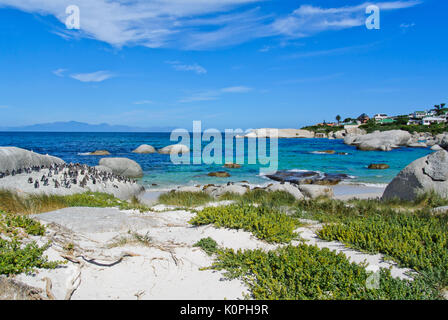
<point x="123" y="167"/>
<point x="145" y="149"/>
<point x="219" y="174"/>
<point x="427" y="174"/>
<point x="12" y="158"/>
<point x="175" y="149"/>
<point x="232" y="166"/>
<point x="100" y="153"/>
<point x="379" y="166"/>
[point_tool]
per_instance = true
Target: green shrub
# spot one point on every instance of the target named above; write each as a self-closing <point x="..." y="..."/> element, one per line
<point x="307" y="272"/>
<point x="417" y="241"/>
<point x="10" y="222"/>
<point x="185" y="199"/>
<point x="208" y="245"/>
<point x="15" y="256"/>
<point x="409" y="233"/>
<point x="263" y="222"/>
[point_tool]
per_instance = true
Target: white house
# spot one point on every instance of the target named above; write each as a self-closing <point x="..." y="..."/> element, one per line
<point x="430" y="120"/>
<point x="419" y="114"/>
<point x="380" y="116"/>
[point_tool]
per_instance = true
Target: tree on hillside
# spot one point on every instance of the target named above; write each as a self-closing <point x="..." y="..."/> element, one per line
<point x="438" y="109"/>
<point x="338" y="118"/>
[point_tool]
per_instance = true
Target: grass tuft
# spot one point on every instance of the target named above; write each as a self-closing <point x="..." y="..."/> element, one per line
<point x="185" y="199"/>
<point x="31" y="204"/>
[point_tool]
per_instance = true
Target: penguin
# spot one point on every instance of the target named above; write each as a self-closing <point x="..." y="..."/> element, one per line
<point x="36" y="184"/>
<point x="30" y="180"/>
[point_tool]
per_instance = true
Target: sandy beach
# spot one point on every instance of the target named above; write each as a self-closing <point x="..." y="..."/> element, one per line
<point x="167" y="267"/>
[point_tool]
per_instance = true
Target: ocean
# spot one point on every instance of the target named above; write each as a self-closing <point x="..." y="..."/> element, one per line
<point x="161" y="173"/>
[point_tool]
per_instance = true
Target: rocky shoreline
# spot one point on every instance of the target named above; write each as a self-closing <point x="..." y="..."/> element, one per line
<point x="375" y="141"/>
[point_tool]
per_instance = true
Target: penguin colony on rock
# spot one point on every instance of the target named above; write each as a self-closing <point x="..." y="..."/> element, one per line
<point x="72" y="174"/>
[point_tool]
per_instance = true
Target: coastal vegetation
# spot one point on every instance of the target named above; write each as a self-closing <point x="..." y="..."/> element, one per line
<point x="306" y="272"/>
<point x="17" y="253"/>
<point x="408" y="233"/>
<point x="265" y="223"/>
<point x="434" y="129"/>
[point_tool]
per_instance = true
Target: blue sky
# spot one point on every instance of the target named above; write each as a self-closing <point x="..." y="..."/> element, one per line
<point x="230" y="63"/>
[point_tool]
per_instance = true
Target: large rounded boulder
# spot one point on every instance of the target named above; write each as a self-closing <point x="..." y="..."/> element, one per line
<point x="13" y="158"/>
<point x="175" y="149"/>
<point x="427" y="174"/>
<point x="123" y="167"/>
<point x="145" y="149"/>
<point x="379" y="141"/>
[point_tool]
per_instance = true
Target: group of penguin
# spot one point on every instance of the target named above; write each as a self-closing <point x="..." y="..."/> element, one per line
<point x="72" y="174"/>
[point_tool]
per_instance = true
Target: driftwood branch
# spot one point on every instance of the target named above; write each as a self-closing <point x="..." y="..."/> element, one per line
<point x="48" y="287"/>
<point x="113" y="263"/>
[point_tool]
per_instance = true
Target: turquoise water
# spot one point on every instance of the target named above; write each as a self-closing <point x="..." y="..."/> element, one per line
<point x="294" y="154"/>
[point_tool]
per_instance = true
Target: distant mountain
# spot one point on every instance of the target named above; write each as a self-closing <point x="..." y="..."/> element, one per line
<point x="74" y="126"/>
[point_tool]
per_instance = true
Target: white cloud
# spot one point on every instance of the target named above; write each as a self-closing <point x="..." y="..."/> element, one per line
<point x="144" y="102"/>
<point x="195" y="24"/>
<point x="4" y="107"/>
<point x="308" y="20"/>
<point x="177" y="65"/>
<point x="210" y="95"/>
<point x="98" y="76"/>
<point x="238" y="89"/>
<point x="59" y="72"/>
